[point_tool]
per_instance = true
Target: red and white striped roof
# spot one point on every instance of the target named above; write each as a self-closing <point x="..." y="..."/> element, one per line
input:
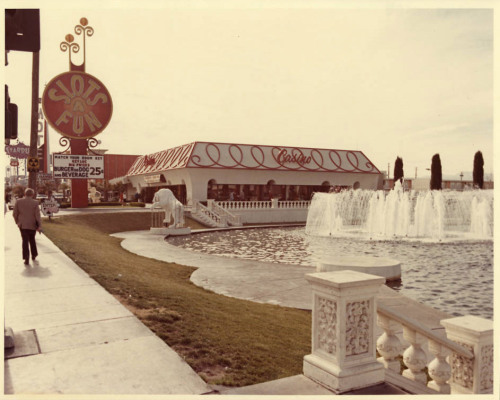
<point x="253" y="157"/>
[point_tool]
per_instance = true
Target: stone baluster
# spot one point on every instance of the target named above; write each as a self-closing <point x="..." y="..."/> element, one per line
<point x="343" y="333"/>
<point x="471" y="376"/>
<point x="388" y="345"/>
<point x="210" y="204"/>
<point x="414" y="357"/>
<point x="439" y="369"/>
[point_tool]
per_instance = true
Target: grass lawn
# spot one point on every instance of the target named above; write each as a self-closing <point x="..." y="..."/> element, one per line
<point x="225" y="340"/>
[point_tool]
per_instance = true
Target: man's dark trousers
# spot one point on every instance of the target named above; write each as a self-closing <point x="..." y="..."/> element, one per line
<point x="28" y="236"/>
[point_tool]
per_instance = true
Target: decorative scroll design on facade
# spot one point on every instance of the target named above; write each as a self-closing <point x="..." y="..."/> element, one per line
<point x="239" y="156"/>
<point x="174" y="158"/>
<point x="357" y="327"/>
<point x="487" y="367"/>
<point x="253" y="157"/>
<point x="327" y="325"/>
<point x="462" y="368"/>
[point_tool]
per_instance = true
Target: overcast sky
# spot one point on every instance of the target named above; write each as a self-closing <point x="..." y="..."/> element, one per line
<point x="388" y="82"/>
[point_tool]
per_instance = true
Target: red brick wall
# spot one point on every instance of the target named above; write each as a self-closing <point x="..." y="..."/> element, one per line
<point x="116" y="165"/>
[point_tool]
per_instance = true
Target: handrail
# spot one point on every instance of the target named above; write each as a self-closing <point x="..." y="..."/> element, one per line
<point x="232" y="218"/>
<point x="213" y="216"/>
<point x="417" y="326"/>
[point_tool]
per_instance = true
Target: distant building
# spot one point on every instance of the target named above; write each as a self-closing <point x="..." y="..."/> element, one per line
<point x="389" y="184"/>
<point x="452" y="184"/>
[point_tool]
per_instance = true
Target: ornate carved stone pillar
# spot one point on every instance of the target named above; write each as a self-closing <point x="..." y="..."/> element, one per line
<point x="476" y="334"/>
<point x="343" y="341"/>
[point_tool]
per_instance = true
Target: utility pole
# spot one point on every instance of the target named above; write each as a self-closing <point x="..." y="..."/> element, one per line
<point x="22" y="33"/>
<point x="35" y="78"/>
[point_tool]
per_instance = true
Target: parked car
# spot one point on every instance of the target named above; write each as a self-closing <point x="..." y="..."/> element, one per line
<point x="59" y="197"/>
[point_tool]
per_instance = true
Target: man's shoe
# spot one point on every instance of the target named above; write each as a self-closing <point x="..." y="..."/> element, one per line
<point x="26" y="262"/>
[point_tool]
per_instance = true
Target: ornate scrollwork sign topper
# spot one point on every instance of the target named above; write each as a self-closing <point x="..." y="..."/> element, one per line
<point x="76" y="104"/>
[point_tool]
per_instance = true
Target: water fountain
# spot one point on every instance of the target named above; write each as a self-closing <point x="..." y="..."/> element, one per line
<point x="425" y="215"/>
<point x="443" y="240"/>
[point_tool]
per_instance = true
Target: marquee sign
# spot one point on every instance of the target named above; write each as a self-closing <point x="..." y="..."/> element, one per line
<point x="77" y="105"/>
<point x="18" y="151"/>
<point x="78" y="166"/>
<point x="152" y="178"/>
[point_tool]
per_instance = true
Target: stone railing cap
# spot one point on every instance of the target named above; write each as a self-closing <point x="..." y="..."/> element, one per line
<point x="345" y="278"/>
<point x="470" y="324"/>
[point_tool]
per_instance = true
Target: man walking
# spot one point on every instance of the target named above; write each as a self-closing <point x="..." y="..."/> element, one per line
<point x="27" y="217"/>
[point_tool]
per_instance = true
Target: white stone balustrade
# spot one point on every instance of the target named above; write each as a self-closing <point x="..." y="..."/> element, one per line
<point x="244" y="205"/>
<point x="455" y="367"/>
<point x="343" y="343"/>
<point x="263" y="205"/>
<point x="388" y="345"/>
<point x="471" y="375"/>
<point x="343" y="335"/>
<point x="294" y="204"/>
<point x="231" y="218"/>
<point x="200" y="208"/>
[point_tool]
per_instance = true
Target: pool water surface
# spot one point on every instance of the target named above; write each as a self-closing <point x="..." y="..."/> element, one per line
<point x="454" y="276"/>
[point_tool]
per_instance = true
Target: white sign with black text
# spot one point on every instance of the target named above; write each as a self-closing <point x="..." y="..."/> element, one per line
<point x="78" y="166"/>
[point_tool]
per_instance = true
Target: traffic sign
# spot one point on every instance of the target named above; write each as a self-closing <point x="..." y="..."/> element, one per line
<point x="33" y="164"/>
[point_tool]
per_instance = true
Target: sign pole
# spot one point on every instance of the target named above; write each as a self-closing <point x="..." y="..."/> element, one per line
<point x="79" y="189"/>
<point x="78" y="106"/>
<point x="34" y="116"/>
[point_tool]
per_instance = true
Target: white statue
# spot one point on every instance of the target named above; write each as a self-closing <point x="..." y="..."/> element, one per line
<point x="164" y="198"/>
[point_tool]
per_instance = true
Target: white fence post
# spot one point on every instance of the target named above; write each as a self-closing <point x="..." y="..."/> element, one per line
<point x="471" y="376"/>
<point x="343" y="331"/>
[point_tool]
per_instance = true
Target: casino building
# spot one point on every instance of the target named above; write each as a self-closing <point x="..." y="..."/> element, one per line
<point x="235" y="176"/>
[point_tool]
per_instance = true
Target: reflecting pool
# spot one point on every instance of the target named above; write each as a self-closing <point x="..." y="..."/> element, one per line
<point x="453" y="276"/>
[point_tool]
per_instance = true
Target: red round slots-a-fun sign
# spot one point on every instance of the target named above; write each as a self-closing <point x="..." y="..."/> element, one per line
<point x="77" y="105"/>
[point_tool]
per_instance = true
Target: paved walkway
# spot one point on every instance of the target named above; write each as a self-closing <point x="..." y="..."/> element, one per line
<point x="73" y="337"/>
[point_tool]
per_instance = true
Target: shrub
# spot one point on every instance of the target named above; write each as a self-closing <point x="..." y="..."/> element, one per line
<point x="136" y="204"/>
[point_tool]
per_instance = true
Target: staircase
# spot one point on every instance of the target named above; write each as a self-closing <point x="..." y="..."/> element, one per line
<point x="207" y="217"/>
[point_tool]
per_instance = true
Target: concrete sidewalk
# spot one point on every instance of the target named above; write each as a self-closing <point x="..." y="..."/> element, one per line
<point x="73" y="337"/>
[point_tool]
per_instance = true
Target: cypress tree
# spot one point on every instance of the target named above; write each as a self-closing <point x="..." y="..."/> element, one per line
<point x="398" y="170"/>
<point x="478" y="171"/>
<point x="436" y="173"/>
